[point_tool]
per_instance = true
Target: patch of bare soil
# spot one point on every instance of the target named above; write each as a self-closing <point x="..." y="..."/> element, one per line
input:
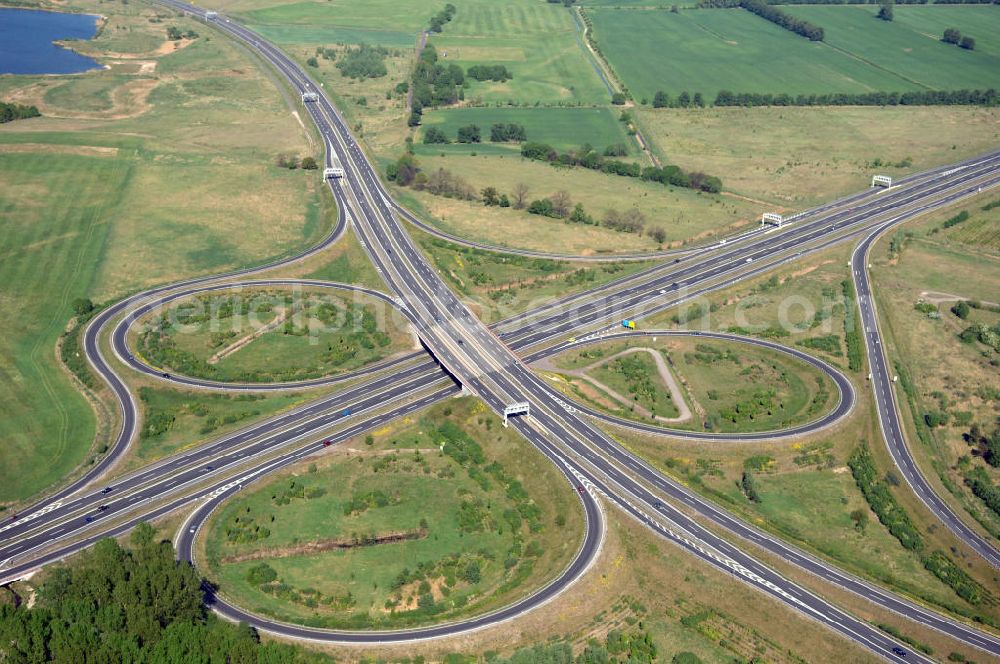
<point x="410" y="595"/>
<point x="240" y="343"/>
<point x="319" y="546"/>
<point x="165" y="48"/>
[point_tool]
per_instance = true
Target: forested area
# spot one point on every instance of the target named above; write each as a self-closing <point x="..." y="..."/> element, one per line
<point x="130" y="604"/>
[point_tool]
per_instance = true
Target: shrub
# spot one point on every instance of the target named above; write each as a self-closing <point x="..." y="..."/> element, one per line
<point x="260" y="574"/>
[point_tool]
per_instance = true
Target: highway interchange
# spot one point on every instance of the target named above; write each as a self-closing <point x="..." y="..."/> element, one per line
<point x="491" y="363"/>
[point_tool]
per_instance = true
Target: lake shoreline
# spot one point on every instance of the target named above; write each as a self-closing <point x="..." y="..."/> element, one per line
<point x="28" y="45"/>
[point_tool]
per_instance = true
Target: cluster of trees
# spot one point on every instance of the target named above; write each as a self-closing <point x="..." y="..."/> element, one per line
<point x="469" y="134"/>
<point x="508" y="132"/>
<point x="560" y="206"/>
<point x="135" y="604"/>
<point x="364" y="61"/>
<point x="565" y="3"/>
<point x="684" y="100"/>
<point x="492" y="197"/>
<point x="406" y="172"/>
<point x="954" y="36"/>
<point x="977" y="97"/>
<point x="587" y="157"/>
<point x="442" y="17"/>
<point x="326" y="53"/>
<point x="982" y="486"/>
<point x="291" y="162"/>
<point x="11" y="112"/>
<point x="619" y="647"/>
<point x="497" y="73"/>
<point x="770" y="13"/>
<point x="433" y="84"/>
<point x="988" y="445"/>
<point x="175" y="34"/>
<point x="749" y="486"/>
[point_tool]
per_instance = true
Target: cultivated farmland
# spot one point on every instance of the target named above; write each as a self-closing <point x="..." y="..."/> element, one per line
<point x="726" y="49"/>
<point x="910" y="45"/>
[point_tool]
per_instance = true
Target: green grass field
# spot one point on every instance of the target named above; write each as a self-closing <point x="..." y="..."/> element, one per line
<point x="508" y="514"/>
<point x="708" y="50"/>
<point x="562" y="128"/>
<point x="910" y="46"/>
<point x="624" y="375"/>
<point x="173" y="179"/>
<point x="815" y="505"/>
<point x="712" y="50"/>
<point x="55" y="217"/>
<point x="730" y="386"/>
<point x="269" y="335"/>
<point x="539" y="43"/>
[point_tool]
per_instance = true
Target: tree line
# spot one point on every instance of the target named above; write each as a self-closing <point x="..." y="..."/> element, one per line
<point x="587" y="157"/>
<point x="406" y="172"/>
<point x="897" y="521"/>
<point x="11" y="112"/>
<point x="875" y="2"/>
<point x="500" y="132"/>
<point x="976" y="97"/>
<point x="684" y="100"/>
<point x="770" y="13"/>
<point x="442" y="17"/>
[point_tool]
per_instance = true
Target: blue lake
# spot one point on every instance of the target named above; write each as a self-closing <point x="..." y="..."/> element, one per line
<point x="26" y="38"/>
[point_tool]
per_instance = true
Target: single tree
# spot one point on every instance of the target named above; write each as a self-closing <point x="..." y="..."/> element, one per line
<point x="968" y="43"/>
<point x="520" y="195"/>
<point x="661" y="99"/>
<point x="491" y="196"/>
<point x="885" y="10"/>
<point x="561" y="203"/>
<point x="951" y="36"/>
